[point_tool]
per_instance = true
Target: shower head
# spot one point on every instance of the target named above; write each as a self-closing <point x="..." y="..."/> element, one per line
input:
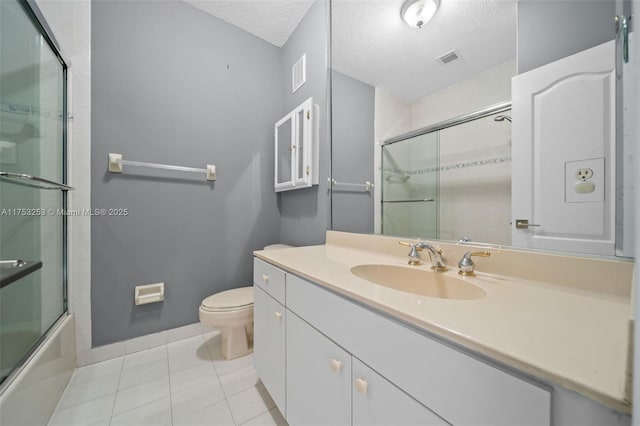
<point x="502" y="118"/>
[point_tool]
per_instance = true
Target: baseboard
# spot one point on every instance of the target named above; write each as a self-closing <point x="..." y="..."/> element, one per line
<point x="137" y="344"/>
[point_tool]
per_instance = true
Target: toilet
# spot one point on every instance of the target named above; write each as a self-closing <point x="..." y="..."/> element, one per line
<point x="231" y="313"/>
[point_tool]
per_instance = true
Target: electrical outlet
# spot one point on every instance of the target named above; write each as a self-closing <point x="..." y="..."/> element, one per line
<point x="584" y="174"/>
<point x="584" y="181"/>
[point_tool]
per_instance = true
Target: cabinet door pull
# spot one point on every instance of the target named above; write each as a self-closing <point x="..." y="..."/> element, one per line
<point x="278" y="315"/>
<point x="336" y="365"/>
<point x="265" y="278"/>
<point x="361" y="386"/>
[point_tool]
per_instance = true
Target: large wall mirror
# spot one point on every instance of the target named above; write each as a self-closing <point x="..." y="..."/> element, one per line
<point x="422" y="120"/>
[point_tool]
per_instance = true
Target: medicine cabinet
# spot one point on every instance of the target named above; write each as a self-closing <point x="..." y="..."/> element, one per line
<point x="296" y="148"/>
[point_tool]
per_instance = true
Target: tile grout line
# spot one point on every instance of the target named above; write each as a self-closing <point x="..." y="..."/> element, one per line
<point x="170" y="391"/>
<point x="75" y="404"/>
<point x="113" y="407"/>
<point x="117" y="391"/>
<point x="226" y="399"/>
<point x="248" y="420"/>
<point x="235" y="422"/>
<point x="142" y="366"/>
<point x="212" y="356"/>
<point x="217" y="378"/>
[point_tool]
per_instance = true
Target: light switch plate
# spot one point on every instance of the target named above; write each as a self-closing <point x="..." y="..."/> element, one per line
<point x="585" y="190"/>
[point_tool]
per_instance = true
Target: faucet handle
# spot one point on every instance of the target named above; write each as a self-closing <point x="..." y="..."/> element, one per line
<point x="414" y="256"/>
<point x="414" y="246"/>
<point x="466" y="266"/>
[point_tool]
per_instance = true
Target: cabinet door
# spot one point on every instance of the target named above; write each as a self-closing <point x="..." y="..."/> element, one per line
<point x="303" y="143"/>
<point x="285" y="132"/>
<point x="376" y="401"/>
<point x="318" y="377"/>
<point x="269" y="318"/>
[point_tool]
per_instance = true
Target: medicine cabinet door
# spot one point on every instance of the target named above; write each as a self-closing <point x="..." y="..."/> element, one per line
<point x="303" y="144"/>
<point x="284" y="153"/>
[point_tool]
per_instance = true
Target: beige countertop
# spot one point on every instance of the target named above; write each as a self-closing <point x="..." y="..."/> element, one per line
<point x="558" y="332"/>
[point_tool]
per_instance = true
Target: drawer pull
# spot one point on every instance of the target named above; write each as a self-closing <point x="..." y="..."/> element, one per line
<point x="278" y="315"/>
<point x="265" y="278"/>
<point x="361" y="386"/>
<point x="336" y="365"/>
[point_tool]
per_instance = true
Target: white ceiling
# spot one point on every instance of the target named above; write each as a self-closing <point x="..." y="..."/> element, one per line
<point x="271" y="20"/>
<point x="371" y="43"/>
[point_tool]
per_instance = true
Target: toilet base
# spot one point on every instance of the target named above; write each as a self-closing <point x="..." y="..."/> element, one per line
<point x="236" y="341"/>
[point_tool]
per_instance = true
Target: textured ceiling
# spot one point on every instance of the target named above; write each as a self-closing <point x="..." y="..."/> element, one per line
<point x="371" y="43"/>
<point x="271" y="20"/>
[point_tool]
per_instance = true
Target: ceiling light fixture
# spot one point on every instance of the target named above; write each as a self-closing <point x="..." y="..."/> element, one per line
<point x="416" y="13"/>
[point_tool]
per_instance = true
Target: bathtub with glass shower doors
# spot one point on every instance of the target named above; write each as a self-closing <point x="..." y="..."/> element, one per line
<point x="33" y="188"/>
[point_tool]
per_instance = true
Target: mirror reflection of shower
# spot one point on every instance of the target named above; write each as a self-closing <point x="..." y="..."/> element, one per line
<point x="433" y="183"/>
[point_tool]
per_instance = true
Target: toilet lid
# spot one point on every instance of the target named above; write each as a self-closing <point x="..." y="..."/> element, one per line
<point x="234" y="298"/>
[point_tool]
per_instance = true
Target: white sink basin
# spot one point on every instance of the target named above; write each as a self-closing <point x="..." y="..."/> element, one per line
<point x="419" y="281"/>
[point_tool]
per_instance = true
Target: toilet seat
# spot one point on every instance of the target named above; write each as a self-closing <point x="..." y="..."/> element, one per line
<point x="229" y="300"/>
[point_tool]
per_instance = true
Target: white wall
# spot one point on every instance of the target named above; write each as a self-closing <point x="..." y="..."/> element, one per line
<point x="480" y="91"/>
<point x="392" y="117"/>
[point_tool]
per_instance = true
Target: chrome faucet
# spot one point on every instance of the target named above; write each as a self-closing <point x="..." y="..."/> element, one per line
<point x="466" y="266"/>
<point x="438" y="262"/>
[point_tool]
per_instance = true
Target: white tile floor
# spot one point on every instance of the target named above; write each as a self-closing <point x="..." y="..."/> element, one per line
<point x="187" y="382"/>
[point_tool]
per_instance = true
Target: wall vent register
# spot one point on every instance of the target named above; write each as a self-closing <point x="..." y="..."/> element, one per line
<point x="299" y="73"/>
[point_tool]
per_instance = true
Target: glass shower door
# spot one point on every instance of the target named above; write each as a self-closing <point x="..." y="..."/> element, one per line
<point x="32" y="203"/>
<point x="410" y="185"/>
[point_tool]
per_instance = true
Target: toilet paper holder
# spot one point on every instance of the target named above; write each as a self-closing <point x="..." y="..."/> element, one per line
<point x="149" y="293"/>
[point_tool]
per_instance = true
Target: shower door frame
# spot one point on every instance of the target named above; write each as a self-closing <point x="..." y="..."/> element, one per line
<point x="38" y="20"/>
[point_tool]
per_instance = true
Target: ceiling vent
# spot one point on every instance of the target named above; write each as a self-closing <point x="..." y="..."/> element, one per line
<point x="299" y="73"/>
<point x="448" y="57"/>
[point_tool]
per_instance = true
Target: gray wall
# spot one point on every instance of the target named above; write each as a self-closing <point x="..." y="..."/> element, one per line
<point x="352" y="133"/>
<point x="552" y="29"/>
<point x="171" y="84"/>
<point x="305" y="213"/>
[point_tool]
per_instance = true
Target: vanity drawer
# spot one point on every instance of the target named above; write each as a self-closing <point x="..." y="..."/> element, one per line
<point x="269" y="278"/>
<point x="461" y="389"/>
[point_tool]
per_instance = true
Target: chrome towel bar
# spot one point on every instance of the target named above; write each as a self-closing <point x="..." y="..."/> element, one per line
<point x="367" y="186"/>
<point x="421" y="200"/>
<point x="116" y="162"/>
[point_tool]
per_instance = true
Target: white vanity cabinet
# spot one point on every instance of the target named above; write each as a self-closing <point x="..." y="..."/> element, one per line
<point x="347" y="364"/>
<point x="458" y="387"/>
